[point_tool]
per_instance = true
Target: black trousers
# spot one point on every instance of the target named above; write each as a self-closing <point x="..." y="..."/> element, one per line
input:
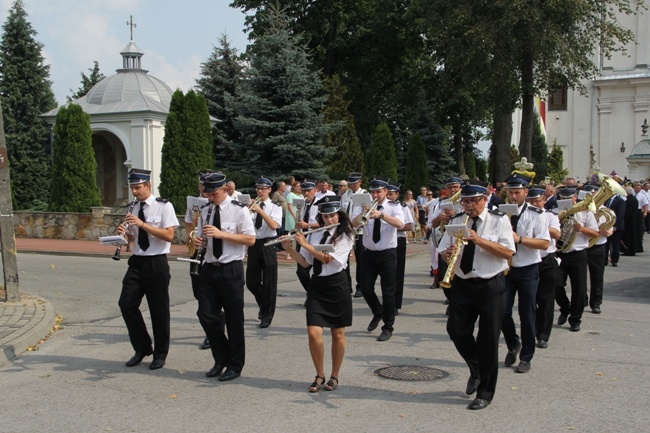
<point x="522" y="282"/>
<point x="399" y="272"/>
<point x="482" y="300"/>
<point x="546" y="297"/>
<point x="359" y="254"/>
<point x="596" y="260"/>
<point x="383" y="264"/>
<point x="222" y="287"/>
<point x="147" y="276"/>
<point x="614" y="246"/>
<point x="574" y="266"/>
<point x="262" y="278"/>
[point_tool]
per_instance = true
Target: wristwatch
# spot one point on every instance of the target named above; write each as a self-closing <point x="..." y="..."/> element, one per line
<point x="381" y="216"/>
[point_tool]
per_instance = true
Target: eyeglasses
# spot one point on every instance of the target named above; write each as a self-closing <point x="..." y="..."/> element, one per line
<point x="429" y="193"/>
<point x="342" y="186"/>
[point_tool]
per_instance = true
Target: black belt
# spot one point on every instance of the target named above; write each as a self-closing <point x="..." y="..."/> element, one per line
<point x="219" y="264"/>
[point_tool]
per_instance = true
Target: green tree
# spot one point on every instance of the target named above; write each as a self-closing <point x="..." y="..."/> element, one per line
<point x="220" y="82"/>
<point x="380" y="157"/>
<point x="417" y="172"/>
<point x="74" y="166"/>
<point x="87" y="82"/>
<point x="481" y="168"/>
<point x="280" y="107"/>
<point x="514" y="156"/>
<point x="539" y="151"/>
<point x="346" y="155"/>
<point x="187" y="147"/>
<point x="25" y="93"/>
<point x="470" y="165"/>
<point x="556" y="170"/>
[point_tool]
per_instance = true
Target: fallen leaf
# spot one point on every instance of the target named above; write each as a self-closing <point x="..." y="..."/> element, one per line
<point x="613" y="378"/>
<point x="32" y="348"/>
<point x="181" y="370"/>
<point x="401" y="415"/>
<point x="600" y="374"/>
<point x="52" y="266"/>
<point x="514" y="387"/>
<point x="172" y="395"/>
<point x="570" y="428"/>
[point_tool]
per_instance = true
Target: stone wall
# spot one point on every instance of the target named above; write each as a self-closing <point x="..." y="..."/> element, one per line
<point x="59" y="225"/>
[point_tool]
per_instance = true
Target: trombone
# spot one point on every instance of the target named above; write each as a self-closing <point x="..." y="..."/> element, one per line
<point x="293" y="234"/>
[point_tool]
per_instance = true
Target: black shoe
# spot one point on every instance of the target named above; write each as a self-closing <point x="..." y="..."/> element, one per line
<point x="523" y="367"/>
<point x="614" y="265"/>
<point x="156" y="364"/>
<point x="205" y="345"/>
<point x="138" y="357"/>
<point x="447" y="311"/>
<point x="215" y="371"/>
<point x="385" y="335"/>
<point x="472" y="385"/>
<point x="542" y="344"/>
<point x="265" y="324"/>
<point x="229" y="375"/>
<point x="478" y="404"/>
<point x="575" y="327"/>
<point x="445" y="302"/>
<point x="595" y="309"/>
<point x="562" y="318"/>
<point x="397" y="311"/>
<point x="511" y="356"/>
<point x="358" y="294"/>
<point x="374" y="323"/>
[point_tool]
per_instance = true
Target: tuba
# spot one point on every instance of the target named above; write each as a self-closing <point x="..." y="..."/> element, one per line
<point x="608" y="188"/>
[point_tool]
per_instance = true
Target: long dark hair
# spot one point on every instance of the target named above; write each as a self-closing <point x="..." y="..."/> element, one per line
<point x="344" y="227"/>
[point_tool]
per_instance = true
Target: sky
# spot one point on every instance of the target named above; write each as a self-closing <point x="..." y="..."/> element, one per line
<point x="176" y="36"/>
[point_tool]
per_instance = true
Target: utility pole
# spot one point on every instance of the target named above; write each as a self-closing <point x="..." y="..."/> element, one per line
<point x="7" y="234"/>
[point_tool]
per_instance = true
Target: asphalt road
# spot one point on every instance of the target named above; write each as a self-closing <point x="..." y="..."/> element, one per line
<point x="592" y="381"/>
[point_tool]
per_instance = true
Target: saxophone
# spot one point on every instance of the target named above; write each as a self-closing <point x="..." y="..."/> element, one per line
<point x="451" y="264"/>
<point x="192" y="235"/>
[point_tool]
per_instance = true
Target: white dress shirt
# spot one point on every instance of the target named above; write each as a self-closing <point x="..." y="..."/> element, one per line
<point x="554" y="223"/>
<point x="159" y="214"/>
<point x="408" y="219"/>
<point x="342" y="248"/>
<point x="274" y="211"/>
<point x="493" y="226"/>
<point x="235" y="218"/>
<point x="586" y="219"/>
<point x="388" y="232"/>
<point x="531" y="224"/>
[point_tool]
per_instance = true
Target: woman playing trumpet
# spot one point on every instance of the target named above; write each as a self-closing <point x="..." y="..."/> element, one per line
<point x="329" y="300"/>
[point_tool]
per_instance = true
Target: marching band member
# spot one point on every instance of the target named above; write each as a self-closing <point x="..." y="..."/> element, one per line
<point x="393" y="195"/>
<point x="477" y="289"/>
<point x="573" y="264"/>
<point x="221" y="280"/>
<point x="148" y="274"/>
<point x="329" y="301"/>
<point x="530" y="234"/>
<point x="305" y="221"/>
<point x="262" y="265"/>
<point x="597" y="259"/>
<point x="545" y="297"/>
<point x="380" y="259"/>
<point x="354" y="187"/>
<point x="437" y="216"/>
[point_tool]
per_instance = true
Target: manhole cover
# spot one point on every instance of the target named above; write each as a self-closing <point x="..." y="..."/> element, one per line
<point x="411" y="372"/>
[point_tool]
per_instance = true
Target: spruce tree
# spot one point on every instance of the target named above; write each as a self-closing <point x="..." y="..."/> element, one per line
<point x="87" y="82"/>
<point x="539" y="151"/>
<point x="219" y="82"/>
<point x="381" y="159"/>
<point x="25" y="93"/>
<point x="347" y="155"/>
<point x="556" y="170"/>
<point x="187" y="148"/>
<point x="280" y="107"/>
<point x="417" y="173"/>
<point x="74" y="166"/>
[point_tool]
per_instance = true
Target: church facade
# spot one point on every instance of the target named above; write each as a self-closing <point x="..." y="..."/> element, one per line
<point x="127" y="112"/>
<point x="602" y="129"/>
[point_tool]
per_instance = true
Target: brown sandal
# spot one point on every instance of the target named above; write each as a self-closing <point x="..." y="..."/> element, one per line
<point x="331" y="384"/>
<point x="315" y="386"/>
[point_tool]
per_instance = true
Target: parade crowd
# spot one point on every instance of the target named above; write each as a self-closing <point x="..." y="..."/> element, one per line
<point x="489" y="246"/>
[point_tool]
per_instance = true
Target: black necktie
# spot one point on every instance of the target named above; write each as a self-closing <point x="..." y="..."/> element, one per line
<point x="609" y="201"/>
<point x="467" y="260"/>
<point x="318" y="265"/>
<point x="143" y="236"/>
<point x="217" y="244"/>
<point x="376" y="228"/>
<point x="258" y="218"/>
<point x="514" y="219"/>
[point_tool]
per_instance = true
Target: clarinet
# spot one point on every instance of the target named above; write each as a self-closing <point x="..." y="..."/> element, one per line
<point x="200" y="252"/>
<point x="129" y="211"/>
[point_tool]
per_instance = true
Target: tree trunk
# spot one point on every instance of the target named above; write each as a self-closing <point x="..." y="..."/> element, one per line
<point x="502" y="134"/>
<point x="527" y="99"/>
<point x="458" y="150"/>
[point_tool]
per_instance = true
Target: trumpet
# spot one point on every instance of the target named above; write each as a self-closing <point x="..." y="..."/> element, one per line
<point x="451" y="264"/>
<point x="129" y="211"/>
<point x="293" y="234"/>
<point x="200" y="252"/>
<point x="257" y="201"/>
<point x="365" y="216"/>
